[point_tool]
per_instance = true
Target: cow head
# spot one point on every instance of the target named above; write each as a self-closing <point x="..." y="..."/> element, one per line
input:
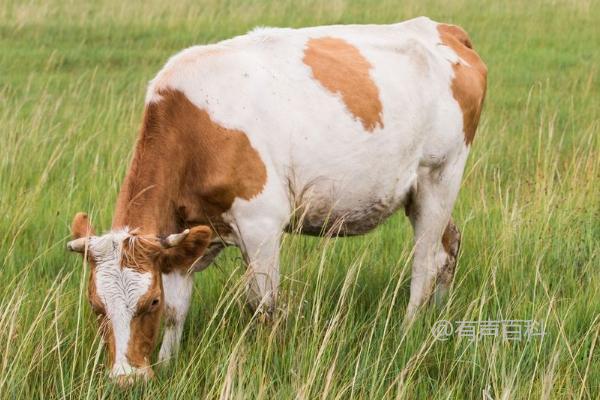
<point x="125" y="287"/>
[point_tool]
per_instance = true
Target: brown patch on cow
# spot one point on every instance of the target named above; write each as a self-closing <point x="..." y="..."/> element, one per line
<point x="187" y="170"/>
<point x="342" y="69"/>
<point x="469" y="83"/>
<point x="144" y="325"/>
<point x="451" y="243"/>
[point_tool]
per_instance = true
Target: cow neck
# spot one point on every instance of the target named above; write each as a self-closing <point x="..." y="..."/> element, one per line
<point x="147" y="199"/>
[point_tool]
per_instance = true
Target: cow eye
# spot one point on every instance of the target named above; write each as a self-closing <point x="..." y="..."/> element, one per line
<point x="149" y="306"/>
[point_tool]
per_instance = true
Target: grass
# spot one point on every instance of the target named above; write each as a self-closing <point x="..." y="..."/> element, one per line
<point x="72" y="81"/>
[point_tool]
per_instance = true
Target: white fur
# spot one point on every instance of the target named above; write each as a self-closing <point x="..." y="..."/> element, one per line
<point x="119" y="290"/>
<point x="259" y="84"/>
<point x="177" y="289"/>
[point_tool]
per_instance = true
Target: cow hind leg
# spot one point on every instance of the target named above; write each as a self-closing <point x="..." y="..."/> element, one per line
<point x="436" y="238"/>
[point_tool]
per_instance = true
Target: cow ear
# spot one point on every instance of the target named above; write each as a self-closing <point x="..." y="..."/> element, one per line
<point x="81" y="230"/>
<point x="182" y="249"/>
<point x="81" y="227"/>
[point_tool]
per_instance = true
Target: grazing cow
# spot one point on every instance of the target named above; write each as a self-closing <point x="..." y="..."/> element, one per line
<point x="323" y="131"/>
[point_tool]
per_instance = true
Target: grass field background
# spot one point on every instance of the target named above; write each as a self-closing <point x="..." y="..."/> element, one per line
<point x="72" y="84"/>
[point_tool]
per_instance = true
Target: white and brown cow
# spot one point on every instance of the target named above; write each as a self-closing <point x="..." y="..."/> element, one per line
<point x="324" y="130"/>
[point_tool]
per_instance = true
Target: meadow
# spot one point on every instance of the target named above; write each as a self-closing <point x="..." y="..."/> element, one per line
<point x="72" y="85"/>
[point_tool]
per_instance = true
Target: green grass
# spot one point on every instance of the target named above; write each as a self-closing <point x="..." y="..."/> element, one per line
<point x="72" y="83"/>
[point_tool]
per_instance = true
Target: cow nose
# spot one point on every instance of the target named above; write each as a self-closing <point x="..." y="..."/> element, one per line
<point x="124" y="381"/>
<point x="136" y="375"/>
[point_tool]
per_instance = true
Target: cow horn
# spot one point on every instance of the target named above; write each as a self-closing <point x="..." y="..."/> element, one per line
<point x="175" y="239"/>
<point x="77" y="245"/>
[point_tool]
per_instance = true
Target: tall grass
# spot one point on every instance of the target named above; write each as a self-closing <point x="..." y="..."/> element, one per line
<point x="72" y="80"/>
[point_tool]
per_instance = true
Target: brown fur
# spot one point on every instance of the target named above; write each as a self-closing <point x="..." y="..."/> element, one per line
<point x="187" y="170"/>
<point x="469" y="83"/>
<point x="81" y="227"/>
<point x="341" y="68"/>
<point x="451" y="243"/>
<point x="144" y="326"/>
<point x="187" y="252"/>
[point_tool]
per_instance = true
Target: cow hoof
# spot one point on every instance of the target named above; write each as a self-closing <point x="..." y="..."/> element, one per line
<point x="141" y="376"/>
<point x="262" y="313"/>
<point x="265" y="317"/>
<point x="164" y="360"/>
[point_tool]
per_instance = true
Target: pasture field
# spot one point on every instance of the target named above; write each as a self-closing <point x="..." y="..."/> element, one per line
<point x="72" y="84"/>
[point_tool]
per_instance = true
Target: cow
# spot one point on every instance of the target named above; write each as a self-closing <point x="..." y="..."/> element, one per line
<point x="324" y="130"/>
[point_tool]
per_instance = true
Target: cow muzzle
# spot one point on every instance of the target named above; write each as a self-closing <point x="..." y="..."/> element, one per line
<point x="125" y="377"/>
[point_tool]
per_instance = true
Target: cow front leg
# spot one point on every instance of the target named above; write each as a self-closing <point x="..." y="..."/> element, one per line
<point x="177" y="291"/>
<point x="260" y="247"/>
